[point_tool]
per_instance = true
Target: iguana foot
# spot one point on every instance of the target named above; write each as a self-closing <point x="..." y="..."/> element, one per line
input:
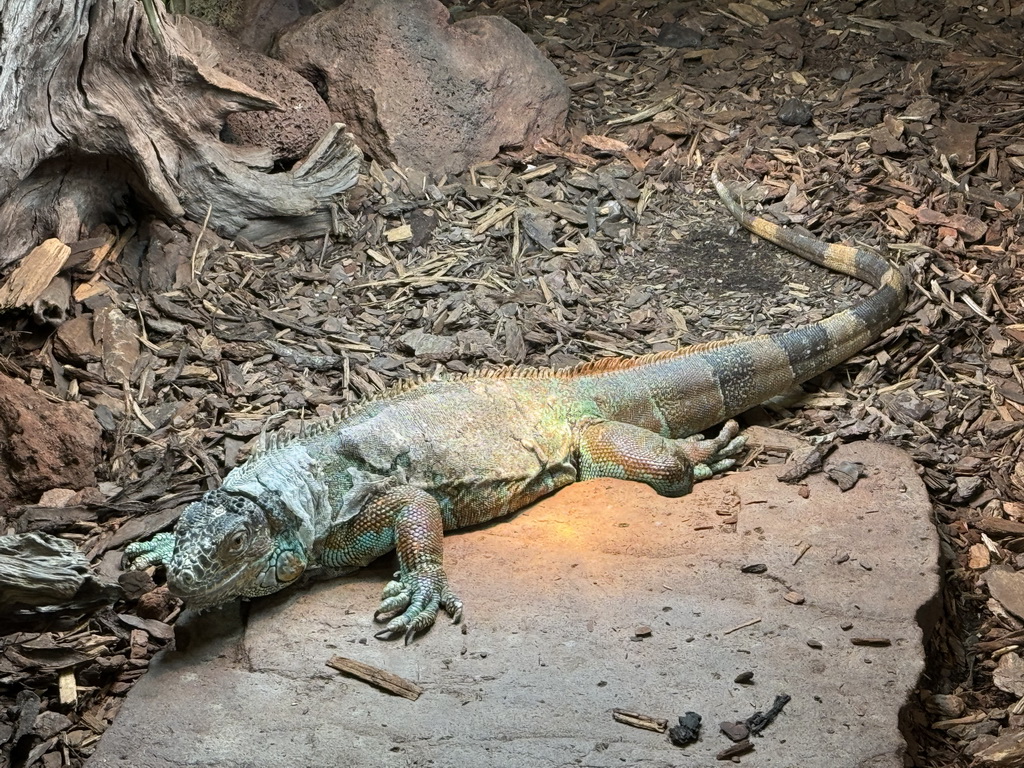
<point x="711" y="457"/>
<point x="417" y="595"/>
<point x="156" y="551"/>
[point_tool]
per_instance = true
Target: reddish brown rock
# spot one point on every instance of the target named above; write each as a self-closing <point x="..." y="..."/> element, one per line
<point x="422" y="92"/>
<point x="74" y="342"/>
<point x="288" y="134"/>
<point x="44" y="444"/>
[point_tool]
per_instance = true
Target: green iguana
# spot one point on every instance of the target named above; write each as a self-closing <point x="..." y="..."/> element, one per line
<point x="398" y="470"/>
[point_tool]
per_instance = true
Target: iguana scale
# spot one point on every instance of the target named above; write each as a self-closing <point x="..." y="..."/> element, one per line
<point x="398" y="470"/>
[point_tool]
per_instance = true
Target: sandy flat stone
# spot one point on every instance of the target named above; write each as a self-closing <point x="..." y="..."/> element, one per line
<point x="548" y="646"/>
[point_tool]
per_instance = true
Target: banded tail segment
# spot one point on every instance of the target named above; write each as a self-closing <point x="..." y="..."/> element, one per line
<point x="688" y="390"/>
<point x="815" y="348"/>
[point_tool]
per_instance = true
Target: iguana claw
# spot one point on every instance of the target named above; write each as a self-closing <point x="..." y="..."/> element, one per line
<point x="142" y="554"/>
<point x="417" y="595"/>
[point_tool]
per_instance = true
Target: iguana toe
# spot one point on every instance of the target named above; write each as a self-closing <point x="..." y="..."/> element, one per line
<point x="394" y="587"/>
<point x="391" y="605"/>
<point x="721" y="466"/>
<point x="707" y="452"/>
<point x="734" y="446"/>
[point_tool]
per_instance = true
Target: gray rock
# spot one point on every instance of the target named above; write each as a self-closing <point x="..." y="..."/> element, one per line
<point x="673" y="35"/>
<point x="1007" y="587"/>
<point x="429" y="346"/>
<point x="49" y="724"/>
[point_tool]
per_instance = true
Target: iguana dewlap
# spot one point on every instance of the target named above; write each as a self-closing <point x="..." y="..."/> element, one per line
<point x="399" y="470"/>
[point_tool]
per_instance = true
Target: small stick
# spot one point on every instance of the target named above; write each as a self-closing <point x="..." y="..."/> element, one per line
<point x="376" y="677"/>
<point x="199" y="239"/>
<point x="735" y="750"/>
<point x="875" y="642"/>
<point x="637" y="720"/>
<point x="750" y="623"/>
<point x="803" y="551"/>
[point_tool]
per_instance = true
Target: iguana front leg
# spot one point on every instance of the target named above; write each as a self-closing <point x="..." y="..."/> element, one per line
<point x="410" y="519"/>
<point x="670" y="467"/>
<point x="156" y="551"/>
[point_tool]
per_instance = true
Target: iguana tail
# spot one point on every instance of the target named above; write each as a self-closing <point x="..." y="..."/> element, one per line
<point x="813" y="349"/>
<point x="686" y="391"/>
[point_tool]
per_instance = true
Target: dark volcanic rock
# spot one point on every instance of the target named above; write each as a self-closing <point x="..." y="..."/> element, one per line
<point x="422" y="92"/>
<point x="288" y="134"/>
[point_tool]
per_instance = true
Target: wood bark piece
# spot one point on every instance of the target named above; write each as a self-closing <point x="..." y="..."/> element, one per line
<point x="28" y="282"/>
<point x="44" y="578"/>
<point x="1007" y="751"/>
<point x="94" y="110"/>
<point x="637" y="720"/>
<point x="997" y="526"/>
<point x="67" y="687"/>
<point x="376" y="677"/>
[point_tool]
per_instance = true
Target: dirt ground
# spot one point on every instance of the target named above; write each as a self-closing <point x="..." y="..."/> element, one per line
<point x="887" y="123"/>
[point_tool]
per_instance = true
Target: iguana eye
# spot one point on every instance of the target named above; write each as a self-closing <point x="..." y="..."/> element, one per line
<point x="236" y="542"/>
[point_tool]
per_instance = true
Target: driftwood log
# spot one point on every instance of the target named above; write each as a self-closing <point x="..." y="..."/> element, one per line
<point x="99" y="112"/>
<point x="45" y="583"/>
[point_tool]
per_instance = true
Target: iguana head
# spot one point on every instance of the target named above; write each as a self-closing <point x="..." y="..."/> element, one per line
<point x="229" y="545"/>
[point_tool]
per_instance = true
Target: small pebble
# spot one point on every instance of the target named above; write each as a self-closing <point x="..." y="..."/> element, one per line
<point x="744" y="678"/>
<point x="642" y="631"/>
<point x="735" y="731"/>
<point x="677" y="36"/>
<point x="754" y="568"/>
<point x="815" y="644"/>
<point x="795" y="112"/>
<point x="794" y="597"/>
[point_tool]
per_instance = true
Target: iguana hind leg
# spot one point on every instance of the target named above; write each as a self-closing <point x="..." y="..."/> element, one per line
<point x="421" y="585"/>
<point x="670" y="467"/>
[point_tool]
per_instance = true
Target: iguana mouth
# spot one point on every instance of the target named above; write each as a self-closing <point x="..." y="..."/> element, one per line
<point x="198" y="592"/>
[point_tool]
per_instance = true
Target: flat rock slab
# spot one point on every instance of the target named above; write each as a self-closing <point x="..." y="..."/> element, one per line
<point x="549" y="647"/>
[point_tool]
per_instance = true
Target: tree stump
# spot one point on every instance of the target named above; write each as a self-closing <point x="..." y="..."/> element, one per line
<point x="97" y="110"/>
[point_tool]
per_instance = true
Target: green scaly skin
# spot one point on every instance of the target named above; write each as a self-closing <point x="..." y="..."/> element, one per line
<point x="399" y="470"/>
